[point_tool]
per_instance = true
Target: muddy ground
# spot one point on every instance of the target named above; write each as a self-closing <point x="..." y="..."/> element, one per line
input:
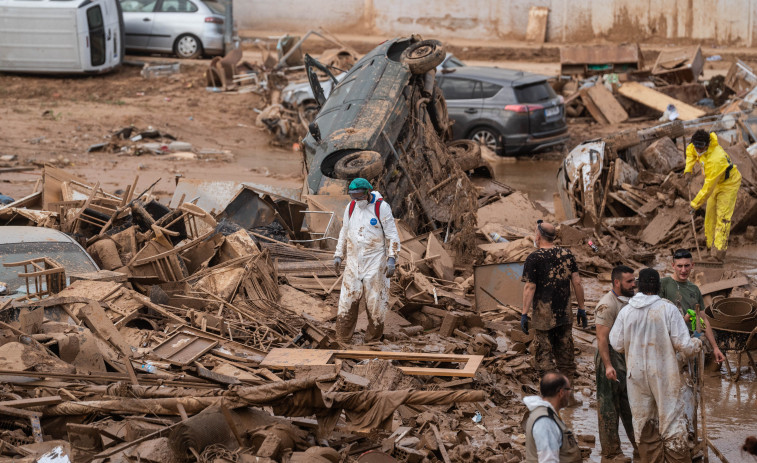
<point x="55" y="119"/>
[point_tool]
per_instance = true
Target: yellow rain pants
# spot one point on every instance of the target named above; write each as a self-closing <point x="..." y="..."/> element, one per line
<point x="722" y="180"/>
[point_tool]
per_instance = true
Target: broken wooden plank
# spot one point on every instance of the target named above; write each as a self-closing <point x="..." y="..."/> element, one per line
<point x="184" y="348"/>
<point x="288" y="358"/>
<point x="723" y="285"/>
<point x="33" y="402"/>
<point x="444" y="266"/>
<point x="604" y="100"/>
<point x="658" y="101"/>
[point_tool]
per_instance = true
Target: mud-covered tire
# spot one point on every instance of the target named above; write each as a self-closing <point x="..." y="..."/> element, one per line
<point x="467" y="153"/>
<point x="366" y="164"/>
<point x="423" y="56"/>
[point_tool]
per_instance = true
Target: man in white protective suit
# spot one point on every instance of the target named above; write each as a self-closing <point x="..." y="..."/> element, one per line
<point x="369" y="243"/>
<point x="650" y="331"/>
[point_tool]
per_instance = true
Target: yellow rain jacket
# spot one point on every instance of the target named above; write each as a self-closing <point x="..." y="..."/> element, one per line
<point x="722" y="180"/>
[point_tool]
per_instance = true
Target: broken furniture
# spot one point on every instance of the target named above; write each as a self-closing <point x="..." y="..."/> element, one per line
<point x="680" y="65"/>
<point x="48" y="276"/>
<point x="587" y="60"/>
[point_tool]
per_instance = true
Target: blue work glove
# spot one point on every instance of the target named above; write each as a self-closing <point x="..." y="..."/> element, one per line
<point x="390" y="267"/>
<point x="337" y="264"/>
<point x="524" y="323"/>
<point x="582" y="318"/>
<point x="696" y="334"/>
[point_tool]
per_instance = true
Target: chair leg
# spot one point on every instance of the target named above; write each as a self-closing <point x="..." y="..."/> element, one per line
<point x="728" y="366"/>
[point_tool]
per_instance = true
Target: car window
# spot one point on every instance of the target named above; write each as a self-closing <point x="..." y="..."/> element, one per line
<point x="460" y="89"/>
<point x="488" y="89"/>
<point x="69" y="255"/>
<point x="177" y="6"/>
<point x="533" y="93"/>
<point x="138" y="6"/>
<point x="215" y="7"/>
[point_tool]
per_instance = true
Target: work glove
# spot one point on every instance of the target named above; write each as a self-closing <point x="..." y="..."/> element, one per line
<point x="390" y="267"/>
<point x="582" y="318"/>
<point x="696" y="334"/>
<point x="692" y="211"/>
<point x="337" y="264"/>
<point x="524" y="323"/>
<point x="687" y="177"/>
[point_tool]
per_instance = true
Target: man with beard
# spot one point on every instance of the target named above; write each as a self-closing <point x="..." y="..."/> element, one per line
<point x="612" y="395"/>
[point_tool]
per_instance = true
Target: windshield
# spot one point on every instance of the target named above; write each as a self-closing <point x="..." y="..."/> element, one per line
<point x="216" y="7"/>
<point x="69" y="255"/>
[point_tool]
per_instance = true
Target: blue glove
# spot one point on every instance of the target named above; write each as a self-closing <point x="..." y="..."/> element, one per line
<point x="524" y="323"/>
<point x="582" y="318"/>
<point x="696" y="334"/>
<point x="390" y="267"/>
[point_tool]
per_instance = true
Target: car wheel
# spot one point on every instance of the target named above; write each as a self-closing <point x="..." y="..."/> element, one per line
<point x="467" y="153"/>
<point x="423" y="56"/>
<point x="187" y="46"/>
<point x="487" y="137"/>
<point x="366" y="164"/>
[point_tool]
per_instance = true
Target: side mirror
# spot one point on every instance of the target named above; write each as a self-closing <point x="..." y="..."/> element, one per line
<point x="315" y="131"/>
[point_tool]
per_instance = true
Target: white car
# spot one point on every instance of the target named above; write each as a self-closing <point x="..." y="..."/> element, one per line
<point x="186" y="28"/>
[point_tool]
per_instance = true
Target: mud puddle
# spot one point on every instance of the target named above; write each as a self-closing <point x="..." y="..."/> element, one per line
<point x="536" y="177"/>
<point x="729" y="413"/>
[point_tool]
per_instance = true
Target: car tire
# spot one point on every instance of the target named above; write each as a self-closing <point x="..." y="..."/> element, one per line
<point x="423" y="56"/>
<point x="187" y="46"/>
<point x="366" y="164"/>
<point x="467" y="153"/>
<point x="486" y="136"/>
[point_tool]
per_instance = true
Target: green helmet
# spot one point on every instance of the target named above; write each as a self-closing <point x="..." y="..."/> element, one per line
<point x="360" y="184"/>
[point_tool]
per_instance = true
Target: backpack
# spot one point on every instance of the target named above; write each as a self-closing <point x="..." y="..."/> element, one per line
<point x="377" y="210"/>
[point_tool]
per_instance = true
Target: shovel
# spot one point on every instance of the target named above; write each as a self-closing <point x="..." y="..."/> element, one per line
<point x="700" y="386"/>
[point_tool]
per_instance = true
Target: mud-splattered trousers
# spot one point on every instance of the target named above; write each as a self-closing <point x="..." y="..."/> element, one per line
<point x="650" y="331"/>
<point x="365" y="244"/>
<point x="553" y="350"/>
<point x="612" y="405"/>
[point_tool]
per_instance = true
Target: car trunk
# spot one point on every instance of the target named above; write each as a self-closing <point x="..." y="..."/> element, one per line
<point x="545" y="115"/>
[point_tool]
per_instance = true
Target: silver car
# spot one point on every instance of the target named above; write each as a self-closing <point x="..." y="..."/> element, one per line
<point x="186" y="28"/>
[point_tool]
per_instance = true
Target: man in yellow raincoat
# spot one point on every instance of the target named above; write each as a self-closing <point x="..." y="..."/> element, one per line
<point x="722" y="180"/>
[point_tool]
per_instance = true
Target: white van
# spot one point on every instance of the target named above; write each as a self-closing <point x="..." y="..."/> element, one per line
<point x="60" y="36"/>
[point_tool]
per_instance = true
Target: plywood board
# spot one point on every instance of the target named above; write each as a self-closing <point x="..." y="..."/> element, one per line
<point x="723" y="284"/>
<point x="659" y="227"/>
<point x="658" y="101"/>
<point x="607" y="104"/>
<point x="443" y="266"/>
<point x="536" y="31"/>
<point x="498" y="283"/>
<point x="292" y="358"/>
<point x="184" y="348"/>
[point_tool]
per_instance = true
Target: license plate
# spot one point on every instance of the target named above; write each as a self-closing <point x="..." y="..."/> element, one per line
<point x="551" y="112"/>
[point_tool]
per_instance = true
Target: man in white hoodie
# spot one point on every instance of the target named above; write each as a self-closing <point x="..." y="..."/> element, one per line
<point x="370" y="242"/>
<point x="650" y="331"/>
<point x="548" y="439"/>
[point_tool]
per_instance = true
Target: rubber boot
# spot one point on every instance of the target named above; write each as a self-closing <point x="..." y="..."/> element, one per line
<point x="719" y="254"/>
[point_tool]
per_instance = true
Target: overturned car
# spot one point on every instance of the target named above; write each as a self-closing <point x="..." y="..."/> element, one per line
<point x="386" y="120"/>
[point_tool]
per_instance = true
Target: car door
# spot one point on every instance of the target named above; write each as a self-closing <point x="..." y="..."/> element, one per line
<point x="138" y="20"/>
<point x="464" y="103"/>
<point x="173" y="18"/>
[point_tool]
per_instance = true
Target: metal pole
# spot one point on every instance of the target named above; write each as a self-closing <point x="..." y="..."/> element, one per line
<point x="228" y="31"/>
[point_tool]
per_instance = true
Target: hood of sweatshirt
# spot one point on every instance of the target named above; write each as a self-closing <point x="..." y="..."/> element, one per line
<point x="534" y="401"/>
<point x="641" y="300"/>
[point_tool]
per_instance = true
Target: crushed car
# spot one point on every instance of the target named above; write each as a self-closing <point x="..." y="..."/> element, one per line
<point x="386" y="120"/>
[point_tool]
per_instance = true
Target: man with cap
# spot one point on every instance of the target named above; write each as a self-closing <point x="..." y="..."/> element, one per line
<point x="722" y="180"/>
<point x="549" y="273"/>
<point x="650" y="331"/>
<point x="369" y="243"/>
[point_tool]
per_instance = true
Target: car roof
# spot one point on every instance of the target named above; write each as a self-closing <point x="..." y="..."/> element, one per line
<point x="500" y="76"/>
<point x="20" y="234"/>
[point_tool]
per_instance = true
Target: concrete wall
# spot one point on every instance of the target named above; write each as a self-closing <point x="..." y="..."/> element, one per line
<point x="725" y="22"/>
